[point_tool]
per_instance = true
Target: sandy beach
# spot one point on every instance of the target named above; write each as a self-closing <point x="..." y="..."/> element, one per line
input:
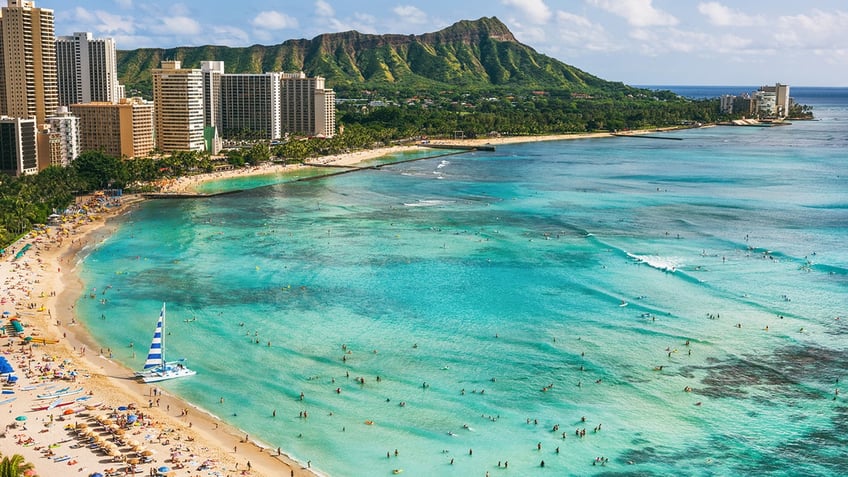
<point x="90" y="431"/>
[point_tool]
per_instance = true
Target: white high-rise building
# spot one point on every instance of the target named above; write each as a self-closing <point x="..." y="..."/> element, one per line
<point x="212" y="72"/>
<point x="87" y="69"/>
<point x="178" y="106"/>
<point x="67" y="127"/>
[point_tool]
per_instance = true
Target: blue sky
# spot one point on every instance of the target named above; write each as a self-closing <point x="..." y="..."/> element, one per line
<point x="656" y="42"/>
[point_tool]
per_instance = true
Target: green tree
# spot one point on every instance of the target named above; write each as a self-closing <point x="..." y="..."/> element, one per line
<point x="14" y="466"/>
<point x="258" y="153"/>
<point x="97" y="170"/>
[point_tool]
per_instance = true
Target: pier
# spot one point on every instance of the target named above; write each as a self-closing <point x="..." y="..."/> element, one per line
<point x="186" y="195"/>
<point x="460" y="147"/>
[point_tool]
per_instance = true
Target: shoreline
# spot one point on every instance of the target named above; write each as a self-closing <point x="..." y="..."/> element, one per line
<point x="189" y="184"/>
<point x="210" y="438"/>
<point x="112" y="381"/>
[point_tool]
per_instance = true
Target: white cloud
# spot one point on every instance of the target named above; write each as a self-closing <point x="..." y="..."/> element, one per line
<point x="639" y="13"/>
<point x="410" y="14"/>
<point x="179" y="10"/>
<point x="273" y="20"/>
<point x="229" y="36"/>
<point x="83" y="15"/>
<point x="817" y="30"/>
<point x="324" y="9"/>
<point x="673" y="40"/>
<point x="124" y="3"/>
<point x="535" y="10"/>
<point x="720" y="15"/>
<point x="102" y="22"/>
<point x="578" y="34"/>
<point x="180" y="26"/>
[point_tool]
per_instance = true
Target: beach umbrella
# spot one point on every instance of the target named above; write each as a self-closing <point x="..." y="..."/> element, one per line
<point x="21" y="418"/>
<point x="96" y="474"/>
<point x="147" y="453"/>
<point x="164" y="469"/>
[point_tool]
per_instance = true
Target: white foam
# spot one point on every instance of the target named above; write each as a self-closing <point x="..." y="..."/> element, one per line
<point x="428" y="203"/>
<point x="666" y="264"/>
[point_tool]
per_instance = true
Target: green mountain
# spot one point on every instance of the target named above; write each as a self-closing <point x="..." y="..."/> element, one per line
<point x="480" y="54"/>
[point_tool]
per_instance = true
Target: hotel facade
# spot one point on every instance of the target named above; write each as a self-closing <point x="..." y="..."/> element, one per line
<point x="87" y="70"/>
<point x="123" y="129"/>
<point x="178" y="106"/>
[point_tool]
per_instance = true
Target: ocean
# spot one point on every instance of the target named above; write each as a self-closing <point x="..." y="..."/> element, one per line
<point x="684" y="302"/>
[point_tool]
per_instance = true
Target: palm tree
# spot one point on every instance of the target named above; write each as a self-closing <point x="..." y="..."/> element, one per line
<point x="14" y="466"/>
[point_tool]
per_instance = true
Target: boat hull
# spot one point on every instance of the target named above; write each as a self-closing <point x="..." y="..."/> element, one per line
<point x="156" y="376"/>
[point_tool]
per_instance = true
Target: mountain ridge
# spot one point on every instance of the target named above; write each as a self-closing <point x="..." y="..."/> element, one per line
<point x="474" y="54"/>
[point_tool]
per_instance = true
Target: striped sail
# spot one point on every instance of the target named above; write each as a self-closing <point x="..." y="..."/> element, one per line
<point x="155" y="357"/>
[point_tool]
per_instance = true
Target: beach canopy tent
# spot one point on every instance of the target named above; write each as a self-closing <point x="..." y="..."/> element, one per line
<point x="5" y="367"/>
<point x="17" y="325"/>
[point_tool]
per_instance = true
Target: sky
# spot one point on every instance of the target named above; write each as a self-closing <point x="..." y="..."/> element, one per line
<point x="638" y="42"/>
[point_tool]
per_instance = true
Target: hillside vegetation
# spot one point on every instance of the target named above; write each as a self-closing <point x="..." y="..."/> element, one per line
<point x="476" y="55"/>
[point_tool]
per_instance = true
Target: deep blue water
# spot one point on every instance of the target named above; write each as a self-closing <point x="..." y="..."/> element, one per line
<point x="501" y="296"/>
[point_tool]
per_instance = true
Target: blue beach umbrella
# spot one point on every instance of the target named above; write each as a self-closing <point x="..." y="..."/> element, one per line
<point x="96" y="474"/>
<point x="164" y="469"/>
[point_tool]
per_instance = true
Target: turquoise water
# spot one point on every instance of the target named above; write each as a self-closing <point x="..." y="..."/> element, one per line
<point x="501" y="274"/>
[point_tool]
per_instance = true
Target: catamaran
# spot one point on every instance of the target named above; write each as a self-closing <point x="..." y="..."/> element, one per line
<point x="156" y="368"/>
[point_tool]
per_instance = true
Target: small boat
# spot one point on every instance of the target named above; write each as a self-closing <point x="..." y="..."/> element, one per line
<point x="156" y="368"/>
<point x="59" y="393"/>
<point x="60" y="403"/>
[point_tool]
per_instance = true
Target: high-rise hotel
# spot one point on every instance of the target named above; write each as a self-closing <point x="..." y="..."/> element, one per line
<point x="266" y="105"/>
<point x="28" y="45"/>
<point x="308" y="107"/>
<point x="87" y="70"/>
<point x="178" y="107"/>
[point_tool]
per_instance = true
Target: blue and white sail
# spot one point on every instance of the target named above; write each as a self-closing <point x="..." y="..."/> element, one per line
<point x="156" y="368"/>
<point x="156" y="355"/>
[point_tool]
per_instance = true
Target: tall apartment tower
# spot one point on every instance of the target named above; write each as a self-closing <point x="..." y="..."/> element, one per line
<point x="307" y="107"/>
<point x="212" y="72"/>
<point x="18" y="151"/>
<point x="66" y="126"/>
<point x="250" y="106"/>
<point x="87" y="69"/>
<point x="178" y="106"/>
<point x="28" y="61"/>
